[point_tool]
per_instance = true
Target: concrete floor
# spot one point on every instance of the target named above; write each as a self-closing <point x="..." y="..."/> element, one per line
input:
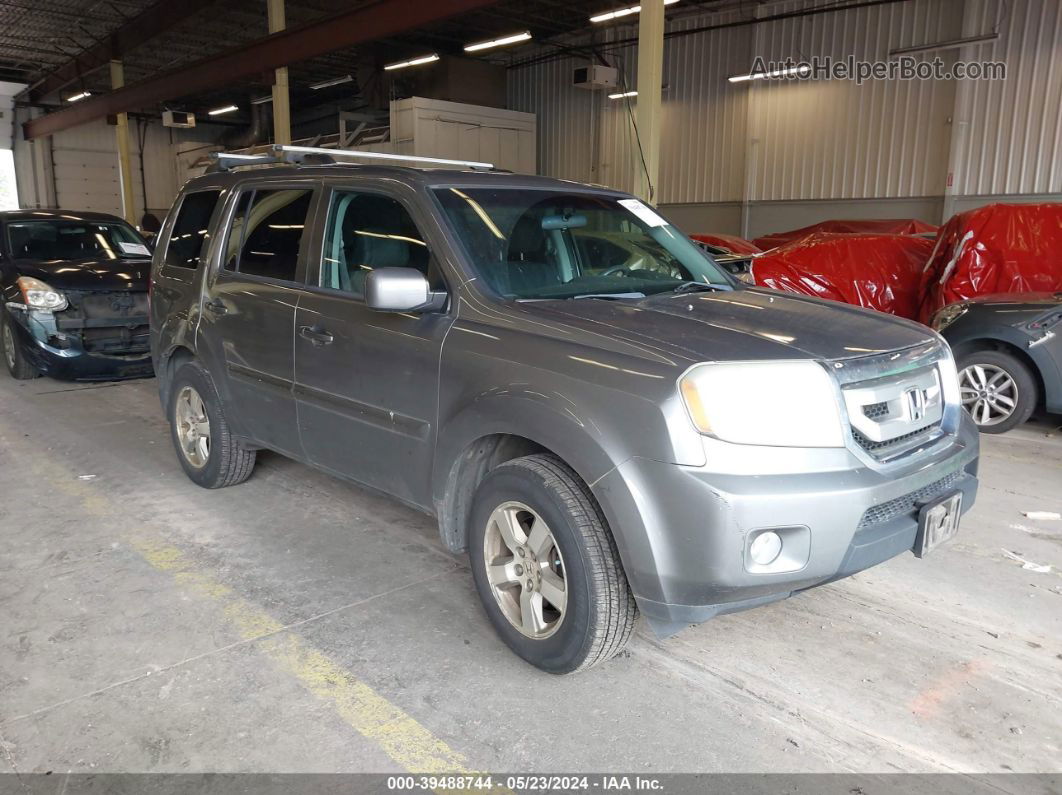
<point x="297" y="623"/>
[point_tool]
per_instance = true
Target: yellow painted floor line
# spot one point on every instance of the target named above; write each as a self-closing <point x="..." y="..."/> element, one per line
<point x="395" y="731"/>
<point x="398" y="733"/>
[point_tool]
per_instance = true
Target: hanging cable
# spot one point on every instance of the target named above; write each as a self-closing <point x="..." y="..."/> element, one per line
<point x="637" y="136"/>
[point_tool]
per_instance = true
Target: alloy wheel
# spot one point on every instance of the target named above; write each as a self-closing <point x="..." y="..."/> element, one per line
<point x="988" y="392"/>
<point x="193" y="427"/>
<point x="9" y="346"/>
<point x="525" y="570"/>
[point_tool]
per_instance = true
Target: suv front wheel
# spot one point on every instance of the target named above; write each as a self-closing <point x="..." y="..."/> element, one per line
<point x="546" y="566"/>
<point x="210" y="455"/>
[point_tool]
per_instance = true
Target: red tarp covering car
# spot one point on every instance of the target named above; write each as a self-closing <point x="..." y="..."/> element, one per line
<point x="876" y="271"/>
<point x="732" y="243"/>
<point x="890" y="226"/>
<point x="999" y="248"/>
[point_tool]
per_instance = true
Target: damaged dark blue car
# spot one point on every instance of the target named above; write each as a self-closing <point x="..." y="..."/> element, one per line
<point x="73" y="296"/>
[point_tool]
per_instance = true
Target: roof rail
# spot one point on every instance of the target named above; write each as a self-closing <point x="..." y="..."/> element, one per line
<point x="295" y="151"/>
<point x="224" y="161"/>
<point x="281" y="153"/>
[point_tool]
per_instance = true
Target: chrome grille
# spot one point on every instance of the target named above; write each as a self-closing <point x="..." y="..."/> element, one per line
<point x="891" y="414"/>
<point x="880" y="447"/>
<point x="908" y="503"/>
<point x="876" y="410"/>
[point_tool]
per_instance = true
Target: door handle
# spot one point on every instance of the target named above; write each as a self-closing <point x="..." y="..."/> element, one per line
<point x="317" y="336"/>
<point x="216" y="306"/>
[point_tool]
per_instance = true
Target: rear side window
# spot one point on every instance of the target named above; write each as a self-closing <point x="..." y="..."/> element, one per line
<point x="191" y="229"/>
<point x="266" y="233"/>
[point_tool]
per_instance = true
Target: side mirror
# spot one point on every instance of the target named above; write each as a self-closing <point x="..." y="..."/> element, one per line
<point x="401" y="290"/>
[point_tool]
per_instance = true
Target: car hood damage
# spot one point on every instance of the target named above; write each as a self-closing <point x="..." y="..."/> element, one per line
<point x="88" y="274"/>
<point x="740" y="325"/>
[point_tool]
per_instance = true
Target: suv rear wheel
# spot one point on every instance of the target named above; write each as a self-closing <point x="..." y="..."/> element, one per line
<point x="546" y="566"/>
<point x="210" y="455"/>
<point x="997" y="390"/>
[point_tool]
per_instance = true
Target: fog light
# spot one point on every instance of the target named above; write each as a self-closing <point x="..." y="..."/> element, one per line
<point x="765" y="548"/>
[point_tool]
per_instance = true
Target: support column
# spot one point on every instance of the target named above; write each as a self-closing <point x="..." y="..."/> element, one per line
<point x="960" y="117"/>
<point x="281" y="103"/>
<point x="125" y="170"/>
<point x="650" y="77"/>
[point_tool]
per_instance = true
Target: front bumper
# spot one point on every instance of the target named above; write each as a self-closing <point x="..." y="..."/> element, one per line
<point x="66" y="359"/>
<point x="683" y="532"/>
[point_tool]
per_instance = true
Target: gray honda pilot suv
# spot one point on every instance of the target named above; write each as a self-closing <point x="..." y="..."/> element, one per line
<point x="603" y="418"/>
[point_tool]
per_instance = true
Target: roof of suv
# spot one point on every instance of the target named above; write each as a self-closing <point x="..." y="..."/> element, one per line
<point x="415" y="177"/>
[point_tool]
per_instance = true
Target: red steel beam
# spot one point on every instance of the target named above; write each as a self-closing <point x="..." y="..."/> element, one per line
<point x="146" y="25"/>
<point x="370" y="21"/>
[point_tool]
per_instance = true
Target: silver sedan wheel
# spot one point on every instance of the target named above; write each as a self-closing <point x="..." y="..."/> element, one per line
<point x="525" y="570"/>
<point x="193" y="427"/>
<point x="988" y="392"/>
<point x="9" y="345"/>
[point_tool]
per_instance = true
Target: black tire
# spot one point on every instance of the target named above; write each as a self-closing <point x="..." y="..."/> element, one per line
<point x="17" y="363"/>
<point x="600" y="612"/>
<point x="228" y="462"/>
<point x="1027" y="393"/>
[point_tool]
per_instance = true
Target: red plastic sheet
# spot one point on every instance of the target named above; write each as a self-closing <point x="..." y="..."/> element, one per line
<point x="880" y="272"/>
<point x="999" y="248"/>
<point x="894" y="226"/>
<point x="732" y="243"/>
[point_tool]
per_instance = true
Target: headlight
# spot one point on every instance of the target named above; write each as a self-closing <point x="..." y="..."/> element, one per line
<point x="949" y="377"/>
<point x="39" y="295"/>
<point x="946" y="316"/>
<point x="779" y="404"/>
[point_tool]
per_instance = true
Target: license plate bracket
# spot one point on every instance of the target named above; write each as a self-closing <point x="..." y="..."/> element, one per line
<point x="938" y="521"/>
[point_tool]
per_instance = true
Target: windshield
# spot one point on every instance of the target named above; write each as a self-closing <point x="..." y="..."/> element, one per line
<point x="70" y="239"/>
<point x="533" y="244"/>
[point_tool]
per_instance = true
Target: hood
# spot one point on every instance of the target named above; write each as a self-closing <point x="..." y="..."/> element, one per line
<point x="1033" y="300"/>
<point x="88" y="274"/>
<point x="747" y="324"/>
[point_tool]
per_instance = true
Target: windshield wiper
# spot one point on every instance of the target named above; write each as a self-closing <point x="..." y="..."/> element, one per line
<point x="689" y="287"/>
<point x="611" y="296"/>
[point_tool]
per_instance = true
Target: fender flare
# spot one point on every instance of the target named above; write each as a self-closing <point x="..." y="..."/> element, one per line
<point x="541" y="422"/>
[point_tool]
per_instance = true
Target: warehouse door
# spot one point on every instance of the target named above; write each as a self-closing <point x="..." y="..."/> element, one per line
<point x="8" y="187"/>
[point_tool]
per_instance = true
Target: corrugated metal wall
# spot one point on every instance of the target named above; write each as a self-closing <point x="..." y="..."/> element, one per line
<point x="584" y="135"/>
<point x="1013" y="138"/>
<point x="827" y="139"/>
<point x="824" y="139"/>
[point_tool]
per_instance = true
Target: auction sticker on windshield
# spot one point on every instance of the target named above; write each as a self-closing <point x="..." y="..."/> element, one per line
<point x="134" y="248"/>
<point x="644" y="213"/>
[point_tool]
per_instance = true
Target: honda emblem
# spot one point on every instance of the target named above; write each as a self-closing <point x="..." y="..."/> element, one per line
<point x="916" y="400"/>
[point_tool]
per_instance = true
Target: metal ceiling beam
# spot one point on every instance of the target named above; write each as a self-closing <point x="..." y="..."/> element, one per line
<point x="370" y="21"/>
<point x="154" y="20"/>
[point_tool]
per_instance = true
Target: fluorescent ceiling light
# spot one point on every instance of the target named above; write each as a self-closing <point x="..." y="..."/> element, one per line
<point x="795" y="70"/>
<point x="486" y="45"/>
<point x="81" y="95"/>
<point x="608" y="16"/>
<point x="262" y="100"/>
<point x="335" y="81"/>
<point x="219" y="111"/>
<point x="623" y="94"/>
<point x="412" y="62"/>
